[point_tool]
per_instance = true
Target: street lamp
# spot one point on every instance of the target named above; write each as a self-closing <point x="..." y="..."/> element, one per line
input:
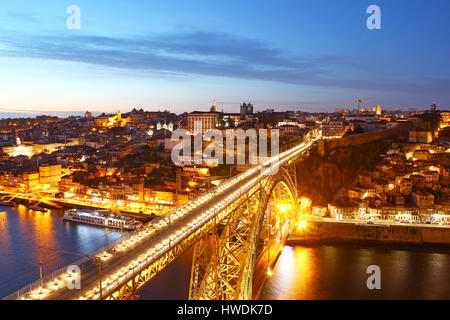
<point x="97" y="260"/>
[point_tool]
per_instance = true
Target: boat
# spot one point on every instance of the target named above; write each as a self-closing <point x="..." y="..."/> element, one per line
<point x="6" y="203"/>
<point x="38" y="208"/>
<point x="102" y="219"/>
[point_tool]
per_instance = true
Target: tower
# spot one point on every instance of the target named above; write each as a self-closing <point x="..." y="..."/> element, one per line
<point x="214" y="106"/>
<point x="378" y="110"/>
<point x="246" y="109"/>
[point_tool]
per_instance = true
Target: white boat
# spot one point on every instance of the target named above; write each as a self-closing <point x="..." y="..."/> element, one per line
<point x="103" y="219"/>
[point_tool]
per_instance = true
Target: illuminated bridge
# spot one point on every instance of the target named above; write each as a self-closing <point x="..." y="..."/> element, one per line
<point x="237" y="230"/>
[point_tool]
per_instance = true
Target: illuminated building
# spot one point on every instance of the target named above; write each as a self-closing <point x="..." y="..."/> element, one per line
<point x="333" y="129"/>
<point x="31" y="181"/>
<point x="30" y="150"/>
<point x="377" y="109"/>
<point x="445" y="119"/>
<point x="342" y="211"/>
<point x="208" y="120"/>
<point x="164" y="125"/>
<point x="49" y="175"/>
<point x="320" y="211"/>
<point x="420" y="136"/>
<point x="20" y="150"/>
<point x="26" y="182"/>
<point x="111" y="121"/>
<point x="421" y="155"/>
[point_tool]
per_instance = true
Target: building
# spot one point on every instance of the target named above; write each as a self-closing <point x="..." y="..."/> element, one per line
<point x="289" y="130"/>
<point x="431" y="176"/>
<point x="49" y="175"/>
<point x="246" y="110"/>
<point x="399" y="200"/>
<point x="423" y="199"/>
<point x="164" y="125"/>
<point x="377" y="110"/>
<point x="28" y="150"/>
<point x="420" y="136"/>
<point x="342" y="211"/>
<point x="445" y="119"/>
<point x="365" y="179"/>
<point x="421" y="155"/>
<point x="319" y="211"/>
<point x="406" y="186"/>
<point x="111" y="121"/>
<point x="355" y="193"/>
<point x="207" y="120"/>
<point x="31" y="180"/>
<point x="333" y="129"/>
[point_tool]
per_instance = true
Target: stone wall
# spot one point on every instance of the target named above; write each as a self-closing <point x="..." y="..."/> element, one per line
<point x="343" y="231"/>
<point x="398" y="132"/>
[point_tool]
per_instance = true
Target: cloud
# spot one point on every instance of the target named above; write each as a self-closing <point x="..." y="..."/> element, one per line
<point x="202" y="53"/>
<point x="14" y="16"/>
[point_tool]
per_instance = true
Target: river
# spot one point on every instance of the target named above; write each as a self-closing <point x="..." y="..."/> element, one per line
<point x="302" y="272"/>
<point x="23" y="231"/>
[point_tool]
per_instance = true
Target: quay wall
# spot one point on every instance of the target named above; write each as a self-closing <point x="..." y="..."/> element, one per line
<point x="323" y="231"/>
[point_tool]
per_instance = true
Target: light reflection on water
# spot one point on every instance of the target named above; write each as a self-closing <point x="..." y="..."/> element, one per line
<point x="334" y="272"/>
<point x="302" y="272"/>
<point x="339" y="272"/>
<point x="23" y="231"/>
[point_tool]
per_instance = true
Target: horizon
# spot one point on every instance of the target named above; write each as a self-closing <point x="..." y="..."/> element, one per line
<point x="23" y="114"/>
<point x="313" y="57"/>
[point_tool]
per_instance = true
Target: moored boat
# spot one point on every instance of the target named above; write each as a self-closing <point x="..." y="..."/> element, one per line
<point x="6" y="203"/>
<point x="103" y="219"/>
<point x="38" y="208"/>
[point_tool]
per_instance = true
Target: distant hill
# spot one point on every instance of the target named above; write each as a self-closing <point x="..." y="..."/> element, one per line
<point x="31" y="114"/>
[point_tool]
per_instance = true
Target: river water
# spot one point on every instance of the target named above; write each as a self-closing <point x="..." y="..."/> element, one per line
<point x="302" y="272"/>
<point x="23" y="231"/>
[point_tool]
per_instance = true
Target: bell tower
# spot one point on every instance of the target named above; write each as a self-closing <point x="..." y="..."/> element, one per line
<point x="214" y="106"/>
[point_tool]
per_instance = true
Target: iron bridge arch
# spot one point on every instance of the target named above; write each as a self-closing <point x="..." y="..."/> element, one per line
<point x="226" y="260"/>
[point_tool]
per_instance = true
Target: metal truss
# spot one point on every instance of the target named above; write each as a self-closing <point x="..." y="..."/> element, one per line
<point x="128" y="288"/>
<point x="226" y="247"/>
<point x="223" y="264"/>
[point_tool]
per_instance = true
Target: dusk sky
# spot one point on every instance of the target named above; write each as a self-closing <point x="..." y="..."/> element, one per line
<point x="180" y="55"/>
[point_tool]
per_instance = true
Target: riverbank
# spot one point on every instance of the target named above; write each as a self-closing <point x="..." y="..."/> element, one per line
<point x="333" y="231"/>
<point x="55" y="203"/>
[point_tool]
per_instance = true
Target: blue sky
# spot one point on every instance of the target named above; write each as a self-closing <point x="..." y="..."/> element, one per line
<point x="180" y="55"/>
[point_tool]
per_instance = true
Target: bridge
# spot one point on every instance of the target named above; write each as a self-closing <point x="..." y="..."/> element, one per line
<point x="236" y="230"/>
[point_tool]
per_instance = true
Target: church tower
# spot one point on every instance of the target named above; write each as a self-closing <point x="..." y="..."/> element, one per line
<point x="214" y="106"/>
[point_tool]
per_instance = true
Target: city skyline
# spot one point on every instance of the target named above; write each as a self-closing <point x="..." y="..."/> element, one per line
<point x="227" y="151"/>
<point x="179" y="56"/>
